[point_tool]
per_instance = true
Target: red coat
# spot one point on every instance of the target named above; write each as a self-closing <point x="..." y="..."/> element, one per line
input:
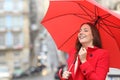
<point x="95" y="68"/>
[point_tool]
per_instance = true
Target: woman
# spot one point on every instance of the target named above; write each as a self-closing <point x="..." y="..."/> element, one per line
<point x="88" y="61"/>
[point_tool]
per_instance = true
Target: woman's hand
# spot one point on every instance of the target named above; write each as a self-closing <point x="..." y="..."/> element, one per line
<point x="82" y="54"/>
<point x="66" y="74"/>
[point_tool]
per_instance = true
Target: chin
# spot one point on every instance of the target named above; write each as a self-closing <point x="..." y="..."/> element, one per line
<point x="82" y="42"/>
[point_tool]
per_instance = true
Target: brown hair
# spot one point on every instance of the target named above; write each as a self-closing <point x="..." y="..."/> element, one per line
<point x="96" y="38"/>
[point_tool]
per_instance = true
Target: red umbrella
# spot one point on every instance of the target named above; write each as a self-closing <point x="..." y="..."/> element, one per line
<point x="63" y="20"/>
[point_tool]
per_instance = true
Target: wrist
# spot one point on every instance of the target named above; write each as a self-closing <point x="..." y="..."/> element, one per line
<point x="83" y="61"/>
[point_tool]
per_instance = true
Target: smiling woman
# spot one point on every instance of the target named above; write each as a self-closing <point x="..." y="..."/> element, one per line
<point x="88" y="60"/>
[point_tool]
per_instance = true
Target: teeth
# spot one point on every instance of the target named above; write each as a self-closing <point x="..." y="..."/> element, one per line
<point x="82" y="36"/>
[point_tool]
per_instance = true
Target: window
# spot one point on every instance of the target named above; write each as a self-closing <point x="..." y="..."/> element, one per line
<point x="9" y="39"/>
<point x="16" y="39"/>
<point x="17" y="21"/>
<point x="2" y="58"/>
<point x="2" y="54"/>
<point x="99" y="1"/>
<point x="1" y="5"/>
<point x="21" y="21"/>
<point x="8" y="21"/>
<point x="3" y="62"/>
<point x="2" y="39"/>
<point x="18" y="5"/>
<point x="8" y="6"/>
<point x="17" y="64"/>
<point x="118" y="6"/>
<point x="17" y="53"/>
<point x="2" y="21"/>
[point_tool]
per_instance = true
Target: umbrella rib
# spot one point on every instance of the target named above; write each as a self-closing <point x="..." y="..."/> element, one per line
<point x="82" y="7"/>
<point x="106" y="16"/>
<point x="107" y="32"/>
<point x="110" y="32"/>
<point x="112" y="26"/>
<point x="96" y="11"/>
<point x="79" y="15"/>
<point x="66" y="14"/>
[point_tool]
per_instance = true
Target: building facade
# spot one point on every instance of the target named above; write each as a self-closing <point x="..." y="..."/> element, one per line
<point x="14" y="34"/>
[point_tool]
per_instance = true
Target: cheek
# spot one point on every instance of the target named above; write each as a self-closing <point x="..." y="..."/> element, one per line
<point x="90" y="37"/>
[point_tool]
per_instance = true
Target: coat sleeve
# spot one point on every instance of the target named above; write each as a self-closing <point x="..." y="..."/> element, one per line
<point x="100" y="71"/>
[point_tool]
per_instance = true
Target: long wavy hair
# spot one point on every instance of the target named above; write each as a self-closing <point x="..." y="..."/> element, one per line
<point x="96" y="38"/>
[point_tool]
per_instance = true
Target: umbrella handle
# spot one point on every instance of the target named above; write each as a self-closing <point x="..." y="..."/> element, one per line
<point x="70" y="67"/>
<point x="61" y="71"/>
<point x="60" y="74"/>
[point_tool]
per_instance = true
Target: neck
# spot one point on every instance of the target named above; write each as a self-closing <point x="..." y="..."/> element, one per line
<point x="87" y="45"/>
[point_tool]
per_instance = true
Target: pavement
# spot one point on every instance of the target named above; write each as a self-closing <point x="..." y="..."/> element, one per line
<point x="39" y="76"/>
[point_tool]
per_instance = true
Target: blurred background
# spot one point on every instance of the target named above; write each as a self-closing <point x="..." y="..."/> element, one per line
<point x="27" y="51"/>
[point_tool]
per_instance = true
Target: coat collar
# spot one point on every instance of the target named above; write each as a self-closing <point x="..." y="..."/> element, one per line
<point x="89" y="49"/>
<point x="92" y="49"/>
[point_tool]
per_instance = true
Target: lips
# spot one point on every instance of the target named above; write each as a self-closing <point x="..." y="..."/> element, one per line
<point x="82" y="36"/>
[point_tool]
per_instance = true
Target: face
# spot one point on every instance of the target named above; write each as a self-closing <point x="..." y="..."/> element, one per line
<point x="85" y="35"/>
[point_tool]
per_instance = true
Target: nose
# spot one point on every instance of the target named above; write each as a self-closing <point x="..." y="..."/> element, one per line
<point x="81" y="32"/>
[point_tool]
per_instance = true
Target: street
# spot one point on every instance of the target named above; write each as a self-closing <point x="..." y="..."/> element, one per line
<point x="49" y="76"/>
<point x="52" y="64"/>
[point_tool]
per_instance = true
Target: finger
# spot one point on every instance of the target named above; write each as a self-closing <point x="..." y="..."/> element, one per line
<point x="81" y="48"/>
<point x="66" y="74"/>
<point x="81" y="51"/>
<point x="84" y="49"/>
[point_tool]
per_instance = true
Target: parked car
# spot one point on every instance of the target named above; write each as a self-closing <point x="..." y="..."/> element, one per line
<point x="17" y="73"/>
<point x="38" y="69"/>
<point x="33" y="70"/>
<point x="26" y="73"/>
<point x="41" y="67"/>
<point x="5" y="73"/>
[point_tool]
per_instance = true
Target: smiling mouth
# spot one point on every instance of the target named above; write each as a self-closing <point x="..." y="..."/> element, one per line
<point x="82" y="36"/>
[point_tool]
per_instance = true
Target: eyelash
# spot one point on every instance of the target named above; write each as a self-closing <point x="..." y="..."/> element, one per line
<point x="84" y="30"/>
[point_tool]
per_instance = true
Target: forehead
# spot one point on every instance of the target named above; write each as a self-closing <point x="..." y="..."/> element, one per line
<point x="85" y="26"/>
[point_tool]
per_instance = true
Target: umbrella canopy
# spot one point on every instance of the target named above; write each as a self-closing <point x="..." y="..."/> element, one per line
<point x="63" y="20"/>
